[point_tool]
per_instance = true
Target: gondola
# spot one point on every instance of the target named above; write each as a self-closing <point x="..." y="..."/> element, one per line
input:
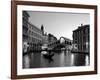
<point x="47" y="54"/>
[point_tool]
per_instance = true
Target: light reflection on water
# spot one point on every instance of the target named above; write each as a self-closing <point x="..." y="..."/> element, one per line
<point x="87" y="60"/>
<point x="62" y="59"/>
<point x="72" y="61"/>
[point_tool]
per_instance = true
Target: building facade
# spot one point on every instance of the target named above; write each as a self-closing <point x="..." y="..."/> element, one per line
<point x="81" y="41"/>
<point x="25" y="20"/>
<point x="51" y="38"/>
<point x="35" y="37"/>
<point x="25" y="26"/>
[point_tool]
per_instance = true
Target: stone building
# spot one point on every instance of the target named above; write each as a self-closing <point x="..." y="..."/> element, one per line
<point x="25" y="20"/>
<point x="81" y="41"/>
<point x="52" y="41"/>
<point x="25" y="26"/>
<point x="35" y="37"/>
<point x="51" y="38"/>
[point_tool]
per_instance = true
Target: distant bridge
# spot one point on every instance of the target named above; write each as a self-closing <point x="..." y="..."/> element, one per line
<point x="61" y="43"/>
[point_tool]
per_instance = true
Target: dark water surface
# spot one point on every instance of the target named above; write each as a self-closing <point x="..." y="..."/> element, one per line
<point x="60" y="59"/>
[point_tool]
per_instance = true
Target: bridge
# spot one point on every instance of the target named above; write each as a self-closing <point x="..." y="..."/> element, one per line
<point x="61" y="43"/>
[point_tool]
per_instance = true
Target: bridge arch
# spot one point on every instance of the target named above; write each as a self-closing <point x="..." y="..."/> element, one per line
<point x="62" y="39"/>
<point x="65" y="40"/>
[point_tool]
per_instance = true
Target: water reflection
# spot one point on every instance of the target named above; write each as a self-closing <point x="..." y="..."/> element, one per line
<point x="61" y="59"/>
<point x="79" y="59"/>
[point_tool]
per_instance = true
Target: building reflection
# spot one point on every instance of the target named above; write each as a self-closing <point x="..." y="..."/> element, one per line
<point x="37" y="60"/>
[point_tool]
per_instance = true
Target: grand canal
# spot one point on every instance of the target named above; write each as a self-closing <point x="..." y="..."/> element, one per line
<point x="60" y="59"/>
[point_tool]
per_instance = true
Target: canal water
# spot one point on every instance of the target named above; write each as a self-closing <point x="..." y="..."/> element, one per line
<point x="60" y="59"/>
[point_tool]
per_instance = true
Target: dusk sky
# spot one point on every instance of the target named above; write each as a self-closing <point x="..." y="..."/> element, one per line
<point x="59" y="24"/>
